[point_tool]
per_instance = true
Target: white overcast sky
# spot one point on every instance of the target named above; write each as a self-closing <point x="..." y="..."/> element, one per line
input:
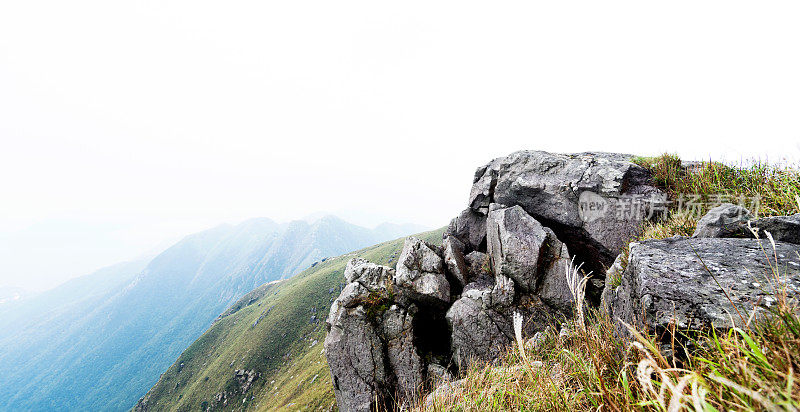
<point x="125" y="124"/>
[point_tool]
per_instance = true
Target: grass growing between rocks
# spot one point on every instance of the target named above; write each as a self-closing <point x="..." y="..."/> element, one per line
<point x="586" y="366"/>
<point x="694" y="189"/>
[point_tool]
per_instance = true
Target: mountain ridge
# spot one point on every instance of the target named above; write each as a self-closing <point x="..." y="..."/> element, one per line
<point x="121" y="340"/>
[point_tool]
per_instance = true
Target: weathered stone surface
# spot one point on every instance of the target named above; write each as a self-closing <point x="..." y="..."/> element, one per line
<point x="470" y="228"/>
<point x="553" y="288"/>
<point x="478" y="264"/>
<point x="372" y="357"/>
<point x="514" y="240"/>
<point x="782" y="228"/>
<point x="726" y="220"/>
<point x="438" y="374"/>
<point x="502" y="294"/>
<point x="356" y="359"/>
<point x="454" y="260"/>
<point x="420" y="273"/>
<point x="666" y="280"/>
<point x="577" y="195"/>
<point x="478" y="333"/>
<point x="731" y="221"/>
<point x="406" y="365"/>
<point x="613" y="279"/>
<point x="369" y="275"/>
<point x="522" y="249"/>
<point x="481" y="321"/>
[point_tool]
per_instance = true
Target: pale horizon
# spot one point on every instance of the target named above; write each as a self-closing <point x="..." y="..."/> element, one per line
<point x="126" y="125"/>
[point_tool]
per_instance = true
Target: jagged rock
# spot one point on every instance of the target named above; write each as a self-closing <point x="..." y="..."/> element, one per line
<point x="731" y="221"/>
<point x="375" y="278"/>
<point x="577" y="195"/>
<point x="470" y="228"/>
<point x="782" y="228"/>
<point x="478" y="264"/>
<point x="405" y="362"/>
<point x="726" y="220"/>
<point x="666" y="280"/>
<point x="482" y="329"/>
<point x="502" y="294"/>
<point x="478" y="333"/>
<point x="514" y="240"/>
<point x="613" y="279"/>
<point x="351" y="295"/>
<point x="454" y="259"/>
<point x="420" y="273"/>
<point x="530" y="254"/>
<point x="553" y="288"/>
<point x="356" y="360"/>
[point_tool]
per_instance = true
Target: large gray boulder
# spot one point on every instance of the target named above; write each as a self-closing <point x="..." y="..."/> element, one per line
<point x="370" y="348"/>
<point x="479" y="333"/>
<point x="530" y="254"/>
<point x="404" y="360"/>
<point x="729" y="220"/>
<point x="782" y="228"/>
<point x="595" y="202"/>
<point x="470" y="228"/>
<point x="356" y="359"/>
<point x="456" y="265"/>
<point x="700" y="282"/>
<point x="481" y="321"/>
<point x="420" y="273"/>
<point x="726" y="220"/>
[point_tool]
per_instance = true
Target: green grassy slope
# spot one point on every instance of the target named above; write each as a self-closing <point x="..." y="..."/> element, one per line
<point x="276" y="331"/>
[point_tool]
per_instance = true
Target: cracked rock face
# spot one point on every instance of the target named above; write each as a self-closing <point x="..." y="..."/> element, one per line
<point x="730" y="221"/>
<point x="470" y="228"/>
<point x="420" y="273"/>
<point x="579" y="196"/>
<point x="782" y="228"/>
<point x="356" y="359"/>
<point x="524" y="250"/>
<point x="482" y="327"/>
<point x="667" y="281"/>
<point x="394" y="331"/>
<point x="403" y="358"/>
<point x="454" y="259"/>
<point x="370" y="349"/>
<point x="726" y="220"/>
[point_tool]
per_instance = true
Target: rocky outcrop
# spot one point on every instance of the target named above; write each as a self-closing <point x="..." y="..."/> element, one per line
<point x="782" y="228"/>
<point x="420" y="273"/>
<point x="470" y="228"/>
<point x="732" y="221"/>
<point x="726" y="220"/>
<point x="701" y="283"/>
<point x="392" y="332"/>
<point x="372" y="348"/>
<point x="594" y="202"/>
<point x="454" y="259"/>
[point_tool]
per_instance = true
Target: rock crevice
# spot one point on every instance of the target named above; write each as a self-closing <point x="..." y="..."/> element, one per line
<point x="443" y="308"/>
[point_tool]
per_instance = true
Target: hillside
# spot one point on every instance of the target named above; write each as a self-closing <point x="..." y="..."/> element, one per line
<point x="274" y="336"/>
<point x="106" y="351"/>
